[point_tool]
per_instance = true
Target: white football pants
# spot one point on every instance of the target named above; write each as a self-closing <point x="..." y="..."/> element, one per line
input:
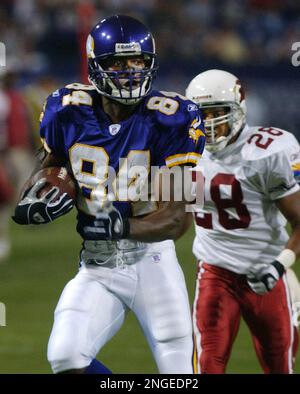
<point x="93" y="306"/>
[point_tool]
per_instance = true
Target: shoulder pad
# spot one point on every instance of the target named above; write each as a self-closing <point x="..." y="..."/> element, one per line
<point x="171" y="108"/>
<point x="79" y="86"/>
<point x="263" y="142"/>
<point x="74" y="93"/>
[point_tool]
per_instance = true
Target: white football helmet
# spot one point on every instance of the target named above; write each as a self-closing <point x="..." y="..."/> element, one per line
<point x="217" y="88"/>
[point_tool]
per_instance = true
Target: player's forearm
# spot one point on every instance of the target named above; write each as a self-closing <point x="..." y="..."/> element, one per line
<point x="288" y="256"/>
<point x="294" y="241"/>
<point x="168" y="222"/>
<point x="43" y="160"/>
<point x="290" y="208"/>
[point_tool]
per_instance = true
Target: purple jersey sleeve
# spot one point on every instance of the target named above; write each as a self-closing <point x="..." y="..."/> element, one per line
<point x="51" y="127"/>
<point x="181" y="138"/>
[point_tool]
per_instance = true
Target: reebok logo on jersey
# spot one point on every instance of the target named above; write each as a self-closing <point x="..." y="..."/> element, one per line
<point x="192" y="107"/>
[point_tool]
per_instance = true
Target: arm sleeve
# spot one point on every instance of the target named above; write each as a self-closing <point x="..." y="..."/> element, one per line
<point x="280" y="180"/>
<point x="51" y="129"/>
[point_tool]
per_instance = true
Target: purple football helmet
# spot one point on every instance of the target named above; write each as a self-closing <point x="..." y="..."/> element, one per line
<point x="120" y="38"/>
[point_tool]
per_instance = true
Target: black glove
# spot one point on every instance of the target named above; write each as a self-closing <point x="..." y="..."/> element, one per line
<point x="34" y="210"/>
<point x="108" y="225"/>
<point x="266" y="278"/>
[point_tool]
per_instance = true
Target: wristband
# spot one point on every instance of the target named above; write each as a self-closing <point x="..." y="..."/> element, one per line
<point x="287" y="258"/>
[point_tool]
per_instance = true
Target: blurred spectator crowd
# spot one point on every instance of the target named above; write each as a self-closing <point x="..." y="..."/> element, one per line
<point x="42" y="33"/>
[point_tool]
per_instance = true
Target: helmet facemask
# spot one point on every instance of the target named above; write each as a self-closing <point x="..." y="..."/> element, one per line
<point x="128" y="85"/>
<point x="234" y="118"/>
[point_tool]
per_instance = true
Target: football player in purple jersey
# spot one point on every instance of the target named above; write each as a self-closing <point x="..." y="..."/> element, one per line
<point x="128" y="259"/>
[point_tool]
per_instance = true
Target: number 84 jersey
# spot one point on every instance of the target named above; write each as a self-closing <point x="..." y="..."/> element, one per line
<point x="165" y="129"/>
<point x="239" y="225"/>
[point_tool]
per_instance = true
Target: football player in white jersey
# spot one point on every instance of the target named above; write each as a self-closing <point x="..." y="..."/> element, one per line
<point x="241" y="242"/>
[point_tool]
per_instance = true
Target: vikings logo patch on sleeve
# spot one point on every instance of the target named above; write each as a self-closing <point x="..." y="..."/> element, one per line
<point x="194" y="131"/>
<point x="296" y="170"/>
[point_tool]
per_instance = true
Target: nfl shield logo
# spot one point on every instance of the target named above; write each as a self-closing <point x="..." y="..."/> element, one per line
<point x="114" y="129"/>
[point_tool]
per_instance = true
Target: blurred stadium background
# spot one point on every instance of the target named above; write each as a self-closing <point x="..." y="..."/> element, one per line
<point x="44" y="41"/>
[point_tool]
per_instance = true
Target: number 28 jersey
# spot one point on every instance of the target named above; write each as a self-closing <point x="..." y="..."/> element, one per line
<point x="240" y="226"/>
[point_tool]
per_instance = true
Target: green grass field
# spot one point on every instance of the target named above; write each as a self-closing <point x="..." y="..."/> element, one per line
<point x="42" y="261"/>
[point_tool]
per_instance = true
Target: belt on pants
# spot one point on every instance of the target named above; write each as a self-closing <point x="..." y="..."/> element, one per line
<point x="112" y="253"/>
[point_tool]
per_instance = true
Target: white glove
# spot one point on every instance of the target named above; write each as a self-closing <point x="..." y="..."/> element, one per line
<point x="266" y="278"/>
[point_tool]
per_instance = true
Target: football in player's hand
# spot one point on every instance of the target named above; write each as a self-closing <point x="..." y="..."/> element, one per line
<point x="54" y="176"/>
